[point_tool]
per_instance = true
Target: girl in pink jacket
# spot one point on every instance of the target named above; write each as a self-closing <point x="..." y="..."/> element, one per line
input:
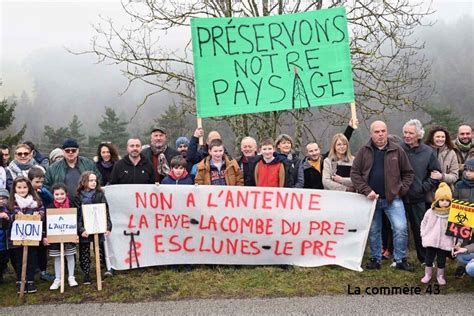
<point x="433" y="237"/>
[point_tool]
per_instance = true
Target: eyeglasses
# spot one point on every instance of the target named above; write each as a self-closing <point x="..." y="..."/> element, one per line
<point x="22" y="154"/>
<point x="70" y="150"/>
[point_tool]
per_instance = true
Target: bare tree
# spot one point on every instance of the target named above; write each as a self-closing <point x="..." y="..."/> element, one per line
<point x="388" y="70"/>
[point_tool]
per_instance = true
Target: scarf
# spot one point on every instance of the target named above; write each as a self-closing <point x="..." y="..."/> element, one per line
<point x="107" y="164"/>
<point x="175" y="177"/>
<point x="86" y="196"/>
<point x="463" y="147"/>
<point x="156" y="150"/>
<point x="63" y="204"/>
<point x="21" y="169"/>
<point x="25" y="202"/>
<point x="163" y="168"/>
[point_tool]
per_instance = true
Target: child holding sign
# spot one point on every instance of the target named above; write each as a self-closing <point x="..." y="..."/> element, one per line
<point x="433" y="237"/>
<point x="24" y="200"/>
<point x="61" y="200"/>
<point x="89" y="192"/>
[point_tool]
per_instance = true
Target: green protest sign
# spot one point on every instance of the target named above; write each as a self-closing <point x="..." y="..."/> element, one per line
<point x="271" y="63"/>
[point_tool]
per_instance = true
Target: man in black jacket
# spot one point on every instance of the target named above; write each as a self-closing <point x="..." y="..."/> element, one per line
<point x="423" y="161"/>
<point x="134" y="168"/>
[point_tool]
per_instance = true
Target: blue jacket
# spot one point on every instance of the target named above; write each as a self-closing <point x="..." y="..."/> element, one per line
<point x="45" y="196"/>
<point x="169" y="180"/>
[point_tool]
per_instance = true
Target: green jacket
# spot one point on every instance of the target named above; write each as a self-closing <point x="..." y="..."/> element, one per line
<point x="57" y="171"/>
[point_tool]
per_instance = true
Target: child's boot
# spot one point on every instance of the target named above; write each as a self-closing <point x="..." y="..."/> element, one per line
<point x="428" y="273"/>
<point x="440" y="277"/>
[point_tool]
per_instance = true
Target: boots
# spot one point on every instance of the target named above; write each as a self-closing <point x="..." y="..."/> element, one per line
<point x="428" y="273"/>
<point x="440" y="276"/>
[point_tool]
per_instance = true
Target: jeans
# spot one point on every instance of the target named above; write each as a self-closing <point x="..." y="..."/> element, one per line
<point x="464" y="258"/>
<point x="396" y="215"/>
<point x="470" y="269"/>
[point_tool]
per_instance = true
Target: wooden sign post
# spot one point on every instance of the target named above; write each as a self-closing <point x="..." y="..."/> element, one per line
<point x="61" y="227"/>
<point x="199" y="125"/>
<point x="26" y="231"/>
<point x="354" y="115"/>
<point x="95" y="222"/>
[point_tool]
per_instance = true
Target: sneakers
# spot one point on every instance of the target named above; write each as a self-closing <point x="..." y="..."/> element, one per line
<point x="31" y="287"/>
<point x="87" y="279"/>
<point x="72" y="281"/>
<point x="56" y="285"/>
<point x="405" y="266"/>
<point x="46" y="276"/>
<point x="109" y="273"/>
<point x="373" y="264"/>
<point x="460" y="272"/>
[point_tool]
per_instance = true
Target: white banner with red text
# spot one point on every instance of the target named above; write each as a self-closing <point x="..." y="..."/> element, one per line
<point x="186" y="224"/>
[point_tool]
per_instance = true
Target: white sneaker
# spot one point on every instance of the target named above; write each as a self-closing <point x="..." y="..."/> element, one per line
<point x="56" y="284"/>
<point x="72" y="281"/>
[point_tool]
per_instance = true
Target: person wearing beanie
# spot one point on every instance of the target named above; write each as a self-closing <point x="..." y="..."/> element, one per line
<point x="464" y="190"/>
<point x="55" y="155"/>
<point x="432" y="230"/>
<point x="182" y="144"/>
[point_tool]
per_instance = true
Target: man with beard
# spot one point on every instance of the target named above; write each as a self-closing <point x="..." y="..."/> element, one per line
<point x="134" y="168"/>
<point x="182" y="144"/>
<point x="159" y="153"/>
<point x="463" y="146"/>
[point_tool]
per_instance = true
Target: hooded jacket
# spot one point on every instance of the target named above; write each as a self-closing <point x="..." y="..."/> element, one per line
<point x="232" y="174"/>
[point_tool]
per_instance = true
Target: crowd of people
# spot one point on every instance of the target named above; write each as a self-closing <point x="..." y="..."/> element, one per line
<point x="413" y="181"/>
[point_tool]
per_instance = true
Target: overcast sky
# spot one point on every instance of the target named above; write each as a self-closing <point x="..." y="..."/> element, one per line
<point x="31" y="25"/>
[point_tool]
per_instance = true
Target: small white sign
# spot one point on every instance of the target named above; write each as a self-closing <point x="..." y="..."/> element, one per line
<point x="95" y="218"/>
<point x="65" y="224"/>
<point x="26" y="230"/>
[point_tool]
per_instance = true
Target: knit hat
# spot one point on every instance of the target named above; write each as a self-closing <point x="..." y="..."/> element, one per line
<point x="4" y="193"/>
<point x="182" y="140"/>
<point x="70" y="143"/>
<point x="443" y="193"/>
<point x="469" y="165"/>
<point x="55" y="154"/>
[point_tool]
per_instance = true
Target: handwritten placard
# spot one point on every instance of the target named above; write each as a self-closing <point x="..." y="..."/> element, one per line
<point x="95" y="218"/>
<point x="173" y="224"/>
<point x="61" y="225"/>
<point x="270" y="63"/>
<point x="26" y="230"/>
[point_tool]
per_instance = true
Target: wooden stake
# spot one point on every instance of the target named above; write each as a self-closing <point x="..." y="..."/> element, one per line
<point x="97" y="262"/>
<point x="24" y="266"/>
<point x="199" y="124"/>
<point x="354" y="115"/>
<point x="62" y="267"/>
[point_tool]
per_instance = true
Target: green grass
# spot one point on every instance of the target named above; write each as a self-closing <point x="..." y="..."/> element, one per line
<point x="204" y="282"/>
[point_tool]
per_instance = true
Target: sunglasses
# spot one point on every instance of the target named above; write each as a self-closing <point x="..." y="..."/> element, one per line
<point x="70" y="150"/>
<point x="22" y="154"/>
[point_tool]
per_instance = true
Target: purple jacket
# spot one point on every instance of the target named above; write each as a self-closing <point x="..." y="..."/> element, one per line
<point x="433" y="228"/>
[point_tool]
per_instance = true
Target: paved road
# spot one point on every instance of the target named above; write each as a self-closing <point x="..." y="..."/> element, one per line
<point x="405" y="304"/>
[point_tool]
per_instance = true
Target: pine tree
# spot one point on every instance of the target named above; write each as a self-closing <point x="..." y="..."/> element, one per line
<point x="56" y="136"/>
<point x="113" y="129"/>
<point x="443" y="116"/>
<point x="175" y="121"/>
<point x="75" y="130"/>
<point x="6" y="119"/>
